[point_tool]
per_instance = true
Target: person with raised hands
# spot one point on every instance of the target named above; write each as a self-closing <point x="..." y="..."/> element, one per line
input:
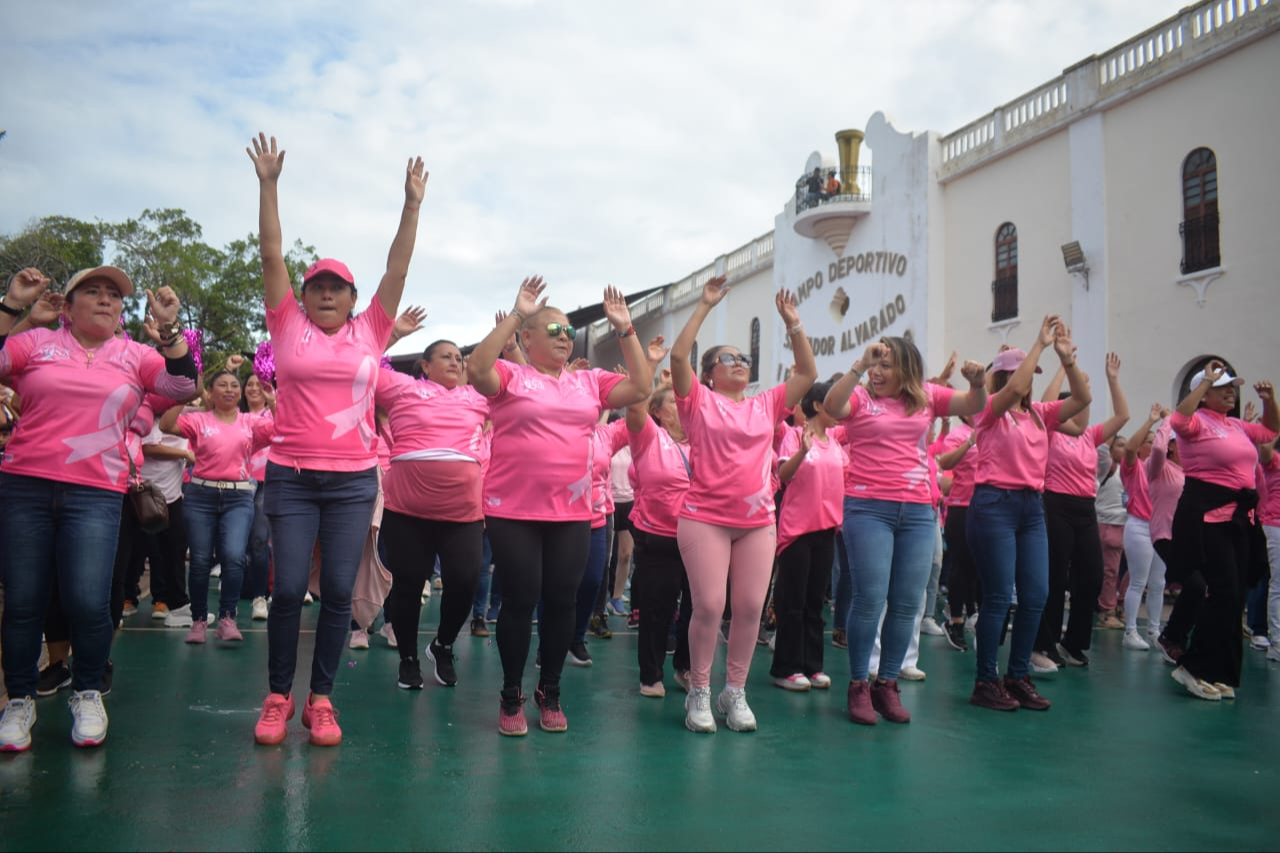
<point x="1146" y="568"/>
<point x="726" y="530"/>
<point x="956" y="456"/>
<point x="537" y="492"/>
<point x="66" y="469"/>
<point x="259" y="401"/>
<point x="1006" y="526"/>
<point x="889" y="517"/>
<point x="1269" y="513"/>
<point x="322" y="471"/>
<point x="1214" y="524"/>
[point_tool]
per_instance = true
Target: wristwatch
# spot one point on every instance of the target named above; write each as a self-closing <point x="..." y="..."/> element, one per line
<point x="169" y="330"/>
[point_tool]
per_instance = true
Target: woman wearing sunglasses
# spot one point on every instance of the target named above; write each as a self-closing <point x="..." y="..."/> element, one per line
<point x="726" y="529"/>
<point x="537" y="491"/>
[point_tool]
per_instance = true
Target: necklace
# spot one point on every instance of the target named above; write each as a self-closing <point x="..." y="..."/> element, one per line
<point x="89" y="354"/>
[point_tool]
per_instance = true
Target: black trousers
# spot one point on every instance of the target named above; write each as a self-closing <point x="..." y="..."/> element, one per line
<point x="963" y="593"/>
<point x="1186" y="607"/>
<point x="1217" y="639"/>
<point x="659" y="564"/>
<point x="799" y="587"/>
<point x="1075" y="562"/>
<point x="129" y="539"/>
<point x="532" y="560"/>
<point x="167" y="551"/>
<point x="412" y="547"/>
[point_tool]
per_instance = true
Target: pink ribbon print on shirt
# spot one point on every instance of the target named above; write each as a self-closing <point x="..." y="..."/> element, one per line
<point x="356" y="416"/>
<point x="110" y="434"/>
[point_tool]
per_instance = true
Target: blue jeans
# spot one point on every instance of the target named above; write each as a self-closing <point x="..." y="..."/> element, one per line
<point x="257" y="567"/>
<point x="49" y="528"/>
<point x="1007" y="538"/>
<point x="841" y="585"/>
<point x="890" y="554"/>
<point x="336" y="507"/>
<point x="597" y="560"/>
<point x="223" y="517"/>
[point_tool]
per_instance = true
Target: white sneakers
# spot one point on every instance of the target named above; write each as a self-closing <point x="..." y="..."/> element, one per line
<point x="732" y="702"/>
<point x="1133" y="640"/>
<point x="911" y="673"/>
<point x="930" y="626"/>
<point x="260" y="609"/>
<point x="1261" y="642"/>
<point x="796" y="682"/>
<point x="1273" y="654"/>
<point x="90" y="726"/>
<point x="1196" y="687"/>
<point x="820" y="681"/>
<point x="15" y="725"/>
<point x="179" y="618"/>
<point x="697" y="710"/>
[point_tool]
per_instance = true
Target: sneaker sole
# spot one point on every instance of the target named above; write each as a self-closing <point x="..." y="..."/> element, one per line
<point x="17" y="747"/>
<point x="701" y="730"/>
<point x="404" y="686"/>
<point x="791" y="686"/>
<point x="87" y="743"/>
<point x="506" y="733"/>
<point x="436" y="673"/>
<point x="577" y="661"/>
<point x="62" y="686"/>
<point x="553" y="729"/>
<point x="315" y="741"/>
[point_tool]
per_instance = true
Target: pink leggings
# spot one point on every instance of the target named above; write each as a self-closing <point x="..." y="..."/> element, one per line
<point x="713" y="556"/>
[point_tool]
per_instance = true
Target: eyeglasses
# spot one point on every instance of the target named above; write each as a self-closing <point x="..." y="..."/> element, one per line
<point x="554" y="330"/>
<point x="728" y="359"/>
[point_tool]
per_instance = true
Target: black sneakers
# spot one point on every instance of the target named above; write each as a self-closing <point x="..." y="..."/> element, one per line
<point x="955" y="636"/>
<point x="441" y="658"/>
<point x="578" y="654"/>
<point x="53" y="678"/>
<point x="410" y="674"/>
<point x="598" y="627"/>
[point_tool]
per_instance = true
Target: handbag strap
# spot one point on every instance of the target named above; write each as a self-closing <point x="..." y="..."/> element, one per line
<point x="685" y="459"/>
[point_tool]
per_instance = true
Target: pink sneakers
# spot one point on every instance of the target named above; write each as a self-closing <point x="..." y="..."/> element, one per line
<point x="199" y="629"/>
<point x="319" y="716"/>
<point x="550" y="715"/>
<point x="511" y="721"/>
<point x="272" y="726"/>
<point x="227" y="630"/>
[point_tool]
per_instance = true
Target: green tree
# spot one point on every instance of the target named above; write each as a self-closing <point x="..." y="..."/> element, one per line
<point x="58" y="246"/>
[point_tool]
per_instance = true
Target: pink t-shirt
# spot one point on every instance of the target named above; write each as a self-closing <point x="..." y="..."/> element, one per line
<point x="888" y="446"/>
<point x="258" y="461"/>
<point x="1219" y="450"/>
<point x="325" y="388"/>
<point x="76" y="408"/>
<point x="607" y="440"/>
<point x="1269" y="486"/>
<point x="222" y="450"/>
<point x="731" y="451"/>
<point x="1134" y="479"/>
<point x="1164" y="482"/>
<point x="542" y="448"/>
<point x="1012" y="450"/>
<point x="1073" y="463"/>
<point x="964" y="471"/>
<point x="660" y="479"/>
<point x="814" y="499"/>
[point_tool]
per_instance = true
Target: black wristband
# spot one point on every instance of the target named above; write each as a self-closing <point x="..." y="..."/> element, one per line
<point x="12" y="312"/>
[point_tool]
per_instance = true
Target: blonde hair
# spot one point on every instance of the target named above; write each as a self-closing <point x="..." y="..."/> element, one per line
<point x="911" y="370"/>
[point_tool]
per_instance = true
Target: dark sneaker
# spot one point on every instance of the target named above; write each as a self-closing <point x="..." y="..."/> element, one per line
<point x="551" y="716"/>
<point x="1073" y="657"/>
<point x="1169" y="650"/>
<point x="991" y="694"/>
<point x="511" y="721"/>
<point x="633" y="619"/>
<point x="887" y="702"/>
<point x="762" y="636"/>
<point x="410" y="674"/>
<point x="671" y="644"/>
<point x="578" y="654"/>
<point x="1056" y="656"/>
<point x="441" y="658"/>
<point x="955" y="636"/>
<point x="1024" y="690"/>
<point x="479" y="628"/>
<point x="861" y="710"/>
<point x="53" y="678"/>
<point x="598" y="627"/>
<point x="839" y="639"/>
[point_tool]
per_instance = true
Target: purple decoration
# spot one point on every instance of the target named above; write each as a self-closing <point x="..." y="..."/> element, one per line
<point x="195" y="343"/>
<point x="386" y="362"/>
<point x="264" y="363"/>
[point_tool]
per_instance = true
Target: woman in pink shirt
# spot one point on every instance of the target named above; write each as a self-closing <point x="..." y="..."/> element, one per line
<point x="812" y="464"/>
<point x="957" y="456"/>
<point x="890" y="524"/>
<point x="432" y="502"/>
<point x="1006" y="526"/>
<point x="1213" y="524"/>
<point x="66" y="469"/>
<point x="322" y="472"/>
<point x="538" y="490"/>
<point x="218" y="499"/>
<point x="1270" y="513"/>
<point x="726" y="530"/>
<point x="259" y="400"/>
<point x="1146" y="569"/>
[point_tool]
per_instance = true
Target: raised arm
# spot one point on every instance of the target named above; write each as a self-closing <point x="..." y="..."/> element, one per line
<point x="169" y="420"/>
<point x="1270" y="415"/>
<point x="805" y="372"/>
<point x="1019" y="384"/>
<point x="1160" y="447"/>
<point x="975" y="399"/>
<point x="788" y="469"/>
<point x="480" y="367"/>
<point x="1080" y="397"/>
<point x="1054" y="388"/>
<point x="639" y="382"/>
<point x="1139" y="438"/>
<point x="1267" y="452"/>
<point x="1212" y="373"/>
<point x="24" y="289"/>
<point x="837" y="400"/>
<point x="406" y="324"/>
<point x="267" y="163"/>
<point x="638" y="412"/>
<point x="950" y="459"/>
<point x="684" y="374"/>
<point x="391" y="287"/>
<point x="44" y="311"/>
<point x="1116" y="422"/>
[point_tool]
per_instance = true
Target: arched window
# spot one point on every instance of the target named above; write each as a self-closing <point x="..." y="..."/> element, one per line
<point x="1200" y="211"/>
<point x="755" y="350"/>
<point x="1004" y="290"/>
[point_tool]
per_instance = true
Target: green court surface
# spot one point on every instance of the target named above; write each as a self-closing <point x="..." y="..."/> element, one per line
<point x="1125" y="760"/>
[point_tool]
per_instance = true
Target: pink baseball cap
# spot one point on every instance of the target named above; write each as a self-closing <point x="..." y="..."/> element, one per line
<point x="329" y="266"/>
<point x="1010" y="359"/>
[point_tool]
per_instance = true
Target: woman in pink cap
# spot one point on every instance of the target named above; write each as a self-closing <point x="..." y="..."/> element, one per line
<point x="322" y="477"/>
<point x="538" y="490"/>
<point x="1006" y="526"/>
<point x="1214" y="523"/>
<point x="66" y="469"/>
<point x="727" y="530"/>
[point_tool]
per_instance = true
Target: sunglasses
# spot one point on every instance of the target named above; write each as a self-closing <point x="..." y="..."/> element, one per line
<point x="554" y="330"/>
<point x="728" y="359"/>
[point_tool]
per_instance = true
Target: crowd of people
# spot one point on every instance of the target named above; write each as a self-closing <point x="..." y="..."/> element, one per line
<point x="320" y="470"/>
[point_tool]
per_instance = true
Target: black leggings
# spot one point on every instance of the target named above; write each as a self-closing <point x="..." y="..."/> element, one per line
<point x="1186" y="607"/>
<point x="804" y="570"/>
<point x="1075" y="560"/>
<point x="659" y="563"/>
<point x="1217" y="642"/>
<point x="963" y="592"/>
<point x="532" y="560"/>
<point x="412" y="547"/>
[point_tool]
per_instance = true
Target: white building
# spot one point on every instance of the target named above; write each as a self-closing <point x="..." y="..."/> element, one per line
<point x="1155" y="158"/>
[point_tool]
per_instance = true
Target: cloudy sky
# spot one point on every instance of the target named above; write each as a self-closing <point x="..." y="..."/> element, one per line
<point x="591" y="143"/>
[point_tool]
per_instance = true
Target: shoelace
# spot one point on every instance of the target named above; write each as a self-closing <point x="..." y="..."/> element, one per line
<point x="274" y="712"/>
<point x="19" y="709"/>
<point x="739" y="702"/>
<point x="324" y="715"/>
<point x="88" y="705"/>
